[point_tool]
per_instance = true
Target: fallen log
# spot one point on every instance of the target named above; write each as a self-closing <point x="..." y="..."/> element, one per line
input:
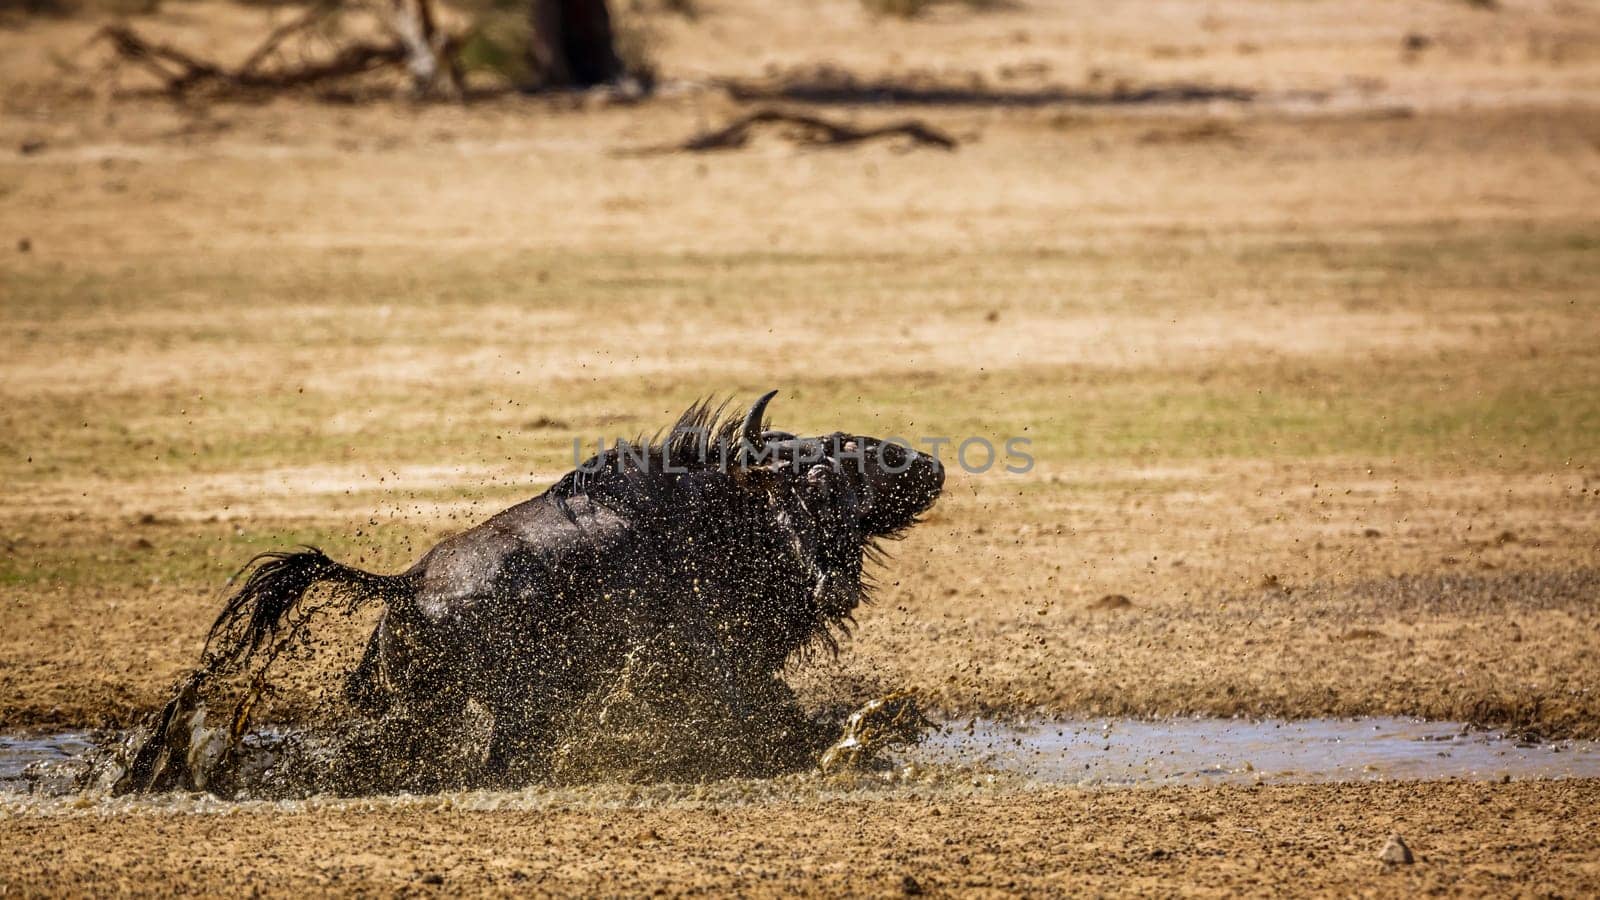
<point x="808" y="130"/>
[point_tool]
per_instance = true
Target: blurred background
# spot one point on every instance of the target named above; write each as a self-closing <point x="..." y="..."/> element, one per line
<point x="1296" y="302"/>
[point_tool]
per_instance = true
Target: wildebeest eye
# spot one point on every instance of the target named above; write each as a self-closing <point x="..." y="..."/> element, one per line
<point x="822" y="482"/>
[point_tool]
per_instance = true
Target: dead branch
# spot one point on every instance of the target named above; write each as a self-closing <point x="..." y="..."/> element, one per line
<point x="157" y="58"/>
<point x="283" y="32"/>
<point x="419" y="45"/>
<point x="811" y="131"/>
<point x="354" y="59"/>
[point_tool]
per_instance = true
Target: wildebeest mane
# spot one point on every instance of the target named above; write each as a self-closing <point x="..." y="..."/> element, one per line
<point x="704" y="437"/>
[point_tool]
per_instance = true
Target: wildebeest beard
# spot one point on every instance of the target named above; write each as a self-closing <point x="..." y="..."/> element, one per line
<point x="633" y="621"/>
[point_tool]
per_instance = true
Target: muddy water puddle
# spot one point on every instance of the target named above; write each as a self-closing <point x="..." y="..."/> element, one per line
<point x="24" y="761"/>
<point x="985" y="754"/>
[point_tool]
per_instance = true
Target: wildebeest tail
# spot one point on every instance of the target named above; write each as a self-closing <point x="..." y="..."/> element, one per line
<point x="277" y="583"/>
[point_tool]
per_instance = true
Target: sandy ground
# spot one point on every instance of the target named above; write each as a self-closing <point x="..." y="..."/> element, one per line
<point x="1310" y="381"/>
<point x="1536" y="839"/>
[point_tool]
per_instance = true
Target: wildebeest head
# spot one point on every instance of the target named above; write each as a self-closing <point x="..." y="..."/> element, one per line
<point x="804" y="511"/>
<point x="882" y="486"/>
<point x="836" y="495"/>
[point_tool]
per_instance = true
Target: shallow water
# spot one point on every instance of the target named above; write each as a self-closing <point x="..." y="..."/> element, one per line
<point x="984" y="754"/>
<point x="42" y="755"/>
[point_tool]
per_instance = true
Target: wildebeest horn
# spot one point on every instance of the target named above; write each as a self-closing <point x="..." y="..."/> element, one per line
<point x="751" y="432"/>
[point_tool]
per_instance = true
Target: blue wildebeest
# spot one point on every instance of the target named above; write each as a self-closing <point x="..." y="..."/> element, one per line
<point x="677" y="575"/>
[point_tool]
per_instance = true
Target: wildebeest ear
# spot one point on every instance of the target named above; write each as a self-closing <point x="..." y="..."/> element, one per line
<point x="753" y="478"/>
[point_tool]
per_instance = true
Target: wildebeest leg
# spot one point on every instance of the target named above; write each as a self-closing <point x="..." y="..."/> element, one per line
<point x="788" y="739"/>
<point x="412" y="684"/>
<point x="369" y="686"/>
<point x="415" y="747"/>
<point x="520" y="744"/>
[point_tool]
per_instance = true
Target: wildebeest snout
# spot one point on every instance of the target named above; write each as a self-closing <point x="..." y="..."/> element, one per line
<point x="900" y="484"/>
